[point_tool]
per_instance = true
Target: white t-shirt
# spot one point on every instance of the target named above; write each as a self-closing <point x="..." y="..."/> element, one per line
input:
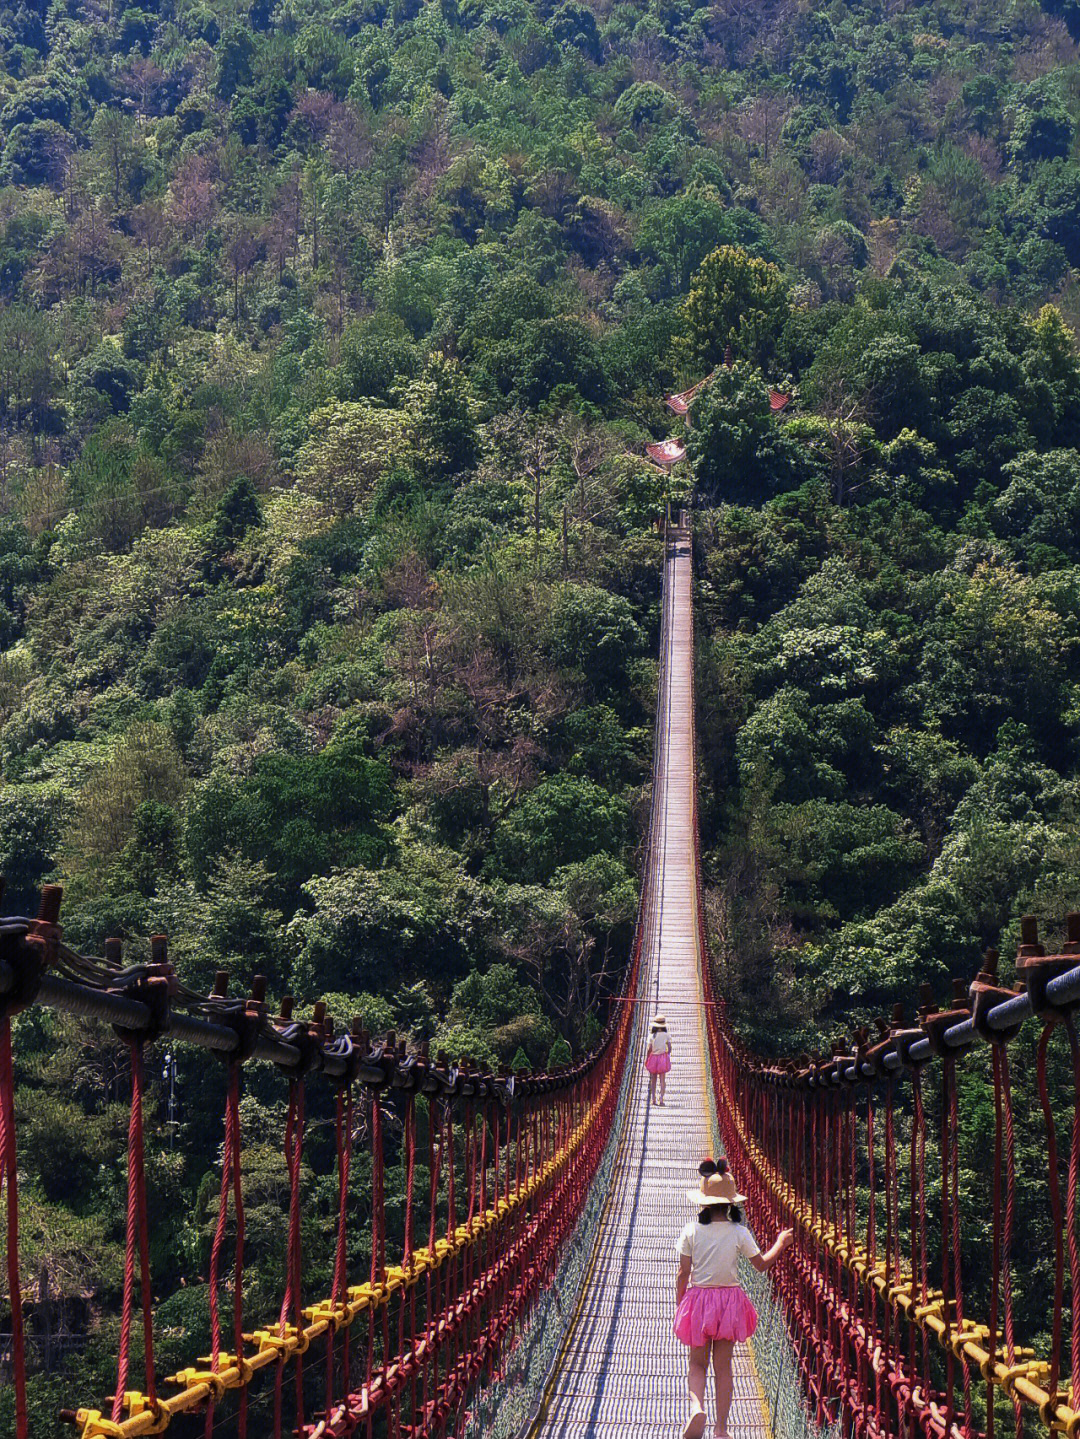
<point x="714" y="1249"/>
<point x="660" y="1043"/>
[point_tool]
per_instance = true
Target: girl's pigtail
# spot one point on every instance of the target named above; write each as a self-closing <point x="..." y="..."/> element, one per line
<point x="705" y="1168"/>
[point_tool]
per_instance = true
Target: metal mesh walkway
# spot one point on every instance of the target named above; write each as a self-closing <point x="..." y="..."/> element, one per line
<point x="622" y="1372"/>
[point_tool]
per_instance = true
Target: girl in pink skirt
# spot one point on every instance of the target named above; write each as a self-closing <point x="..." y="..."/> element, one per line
<point x="658" y="1058"/>
<point x="714" y="1312"/>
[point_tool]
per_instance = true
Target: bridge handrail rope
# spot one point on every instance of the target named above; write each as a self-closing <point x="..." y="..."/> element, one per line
<point x="804" y="1136"/>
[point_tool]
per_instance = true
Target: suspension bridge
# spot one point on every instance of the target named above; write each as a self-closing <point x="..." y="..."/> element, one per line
<point x="524" y="1285"/>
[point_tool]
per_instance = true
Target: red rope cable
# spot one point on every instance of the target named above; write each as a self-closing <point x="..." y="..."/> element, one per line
<point x="291" y="1303"/>
<point x="484" y="1156"/>
<point x="1055" y="1206"/>
<point x="995" y="1239"/>
<point x="343" y="1130"/>
<point x="410" y="1186"/>
<point x="295" y="1253"/>
<point x="230" y="1181"/>
<point x="136" y="1244"/>
<point x="378" y="1222"/>
<point x="871" y="1246"/>
<point x="9" y="1180"/>
<point x="378" y="1188"/>
<point x="918" y="1222"/>
<point x="1070" y="1212"/>
<point x="892" y="1235"/>
<point x="871" y="1220"/>
<point x="432" y="1287"/>
<point x="1007" y="1232"/>
<point x="957" y="1264"/>
<point x="238" y="1258"/>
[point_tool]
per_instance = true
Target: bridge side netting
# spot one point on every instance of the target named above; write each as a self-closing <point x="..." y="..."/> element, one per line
<point x="495" y="1169"/>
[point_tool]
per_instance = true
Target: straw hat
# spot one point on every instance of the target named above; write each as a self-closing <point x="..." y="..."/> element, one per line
<point x="716" y="1189"/>
<point x="659" y="1022"/>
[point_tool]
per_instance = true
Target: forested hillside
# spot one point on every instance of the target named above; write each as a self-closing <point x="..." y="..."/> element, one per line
<point x="330" y="340"/>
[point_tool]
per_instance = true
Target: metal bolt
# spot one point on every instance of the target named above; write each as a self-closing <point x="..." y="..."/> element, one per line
<point x="1029" y="938"/>
<point x="989" y="971"/>
<point x="49" y="909"/>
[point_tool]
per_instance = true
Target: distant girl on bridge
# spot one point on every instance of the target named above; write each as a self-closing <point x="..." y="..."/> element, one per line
<point x="714" y="1312"/>
<point x="658" y="1058"/>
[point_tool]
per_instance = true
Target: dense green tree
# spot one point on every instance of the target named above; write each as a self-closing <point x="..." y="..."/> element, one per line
<point x="422" y="916"/>
<point x="30" y="833"/>
<point x="595" y="633"/>
<point x="1042" y="127"/>
<point x="303" y="814"/>
<point x="443" y="417"/>
<point x="735" y="301"/>
<point x="543" y="355"/>
<point x="350" y="447"/>
<point x="562" y="820"/>
<point x="235" y="513"/>
<point x="737" y="449"/>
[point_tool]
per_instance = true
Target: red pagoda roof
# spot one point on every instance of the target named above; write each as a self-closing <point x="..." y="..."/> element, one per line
<point x="681" y="402"/>
<point x="666" y="452"/>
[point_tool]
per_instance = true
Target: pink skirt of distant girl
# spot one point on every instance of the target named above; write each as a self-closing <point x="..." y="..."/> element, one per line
<point x="658" y="1063"/>
<point x="724" y="1312"/>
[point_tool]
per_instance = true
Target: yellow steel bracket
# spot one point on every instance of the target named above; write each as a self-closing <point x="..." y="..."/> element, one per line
<point x="932" y="1307"/>
<point x="94" y="1425"/>
<point x="967" y="1331"/>
<point x="1033" y="1370"/>
<point x="227" y="1365"/>
<point x="189" y="1378"/>
<point x="136" y="1405"/>
<point x="289" y="1343"/>
<point x="1057" y="1413"/>
<point x="334" y="1316"/>
<point x="396" y="1278"/>
<point x="361" y="1297"/>
<point x="901" y="1285"/>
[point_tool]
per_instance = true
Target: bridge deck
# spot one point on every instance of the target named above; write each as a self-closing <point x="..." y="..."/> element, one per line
<point x="622" y="1372"/>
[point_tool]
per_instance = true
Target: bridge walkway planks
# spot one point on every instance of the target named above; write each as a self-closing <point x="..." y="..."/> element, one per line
<point x="622" y="1373"/>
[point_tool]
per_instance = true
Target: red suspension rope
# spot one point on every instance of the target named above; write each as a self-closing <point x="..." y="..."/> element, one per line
<point x="1070" y="1211"/>
<point x="9" y="1180"/>
<point x="230" y="1181"/>
<point x="343" y="1137"/>
<point x="136" y="1243"/>
<point x="1009" y="1222"/>
<point x="1055" y="1205"/>
<point x="291" y="1304"/>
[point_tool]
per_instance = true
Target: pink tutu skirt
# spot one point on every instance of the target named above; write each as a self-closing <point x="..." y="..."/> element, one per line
<point x="658" y="1063"/>
<point x="724" y="1312"/>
